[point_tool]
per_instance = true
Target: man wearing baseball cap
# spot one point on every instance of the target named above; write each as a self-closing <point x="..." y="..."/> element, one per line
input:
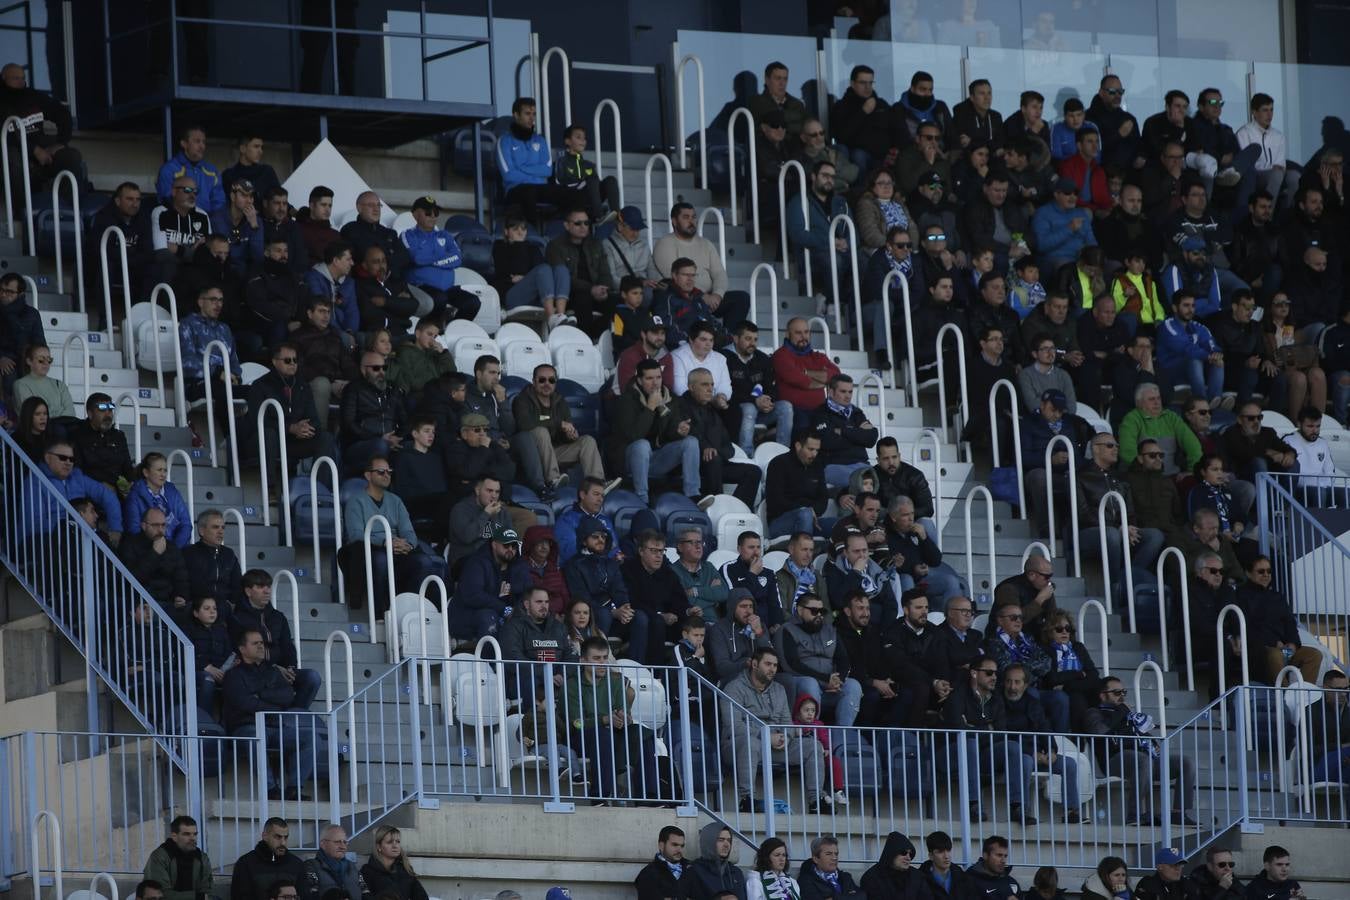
<point x="1062" y="227"/>
<point x="435" y="256"/>
<point x="651" y="344"/>
<point x="1165" y="883"/>
<point x="492" y="581"/>
<point x="628" y="252"/>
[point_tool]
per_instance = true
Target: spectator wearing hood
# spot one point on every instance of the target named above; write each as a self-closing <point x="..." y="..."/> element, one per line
<point x="593" y="575"/>
<point x="893" y="877"/>
<point x="820" y="876"/>
<point x="1111" y="881"/>
<point x="589" y="506"/>
<point x="541" y="555"/>
<point x="268" y="862"/>
<point x="716" y="871"/>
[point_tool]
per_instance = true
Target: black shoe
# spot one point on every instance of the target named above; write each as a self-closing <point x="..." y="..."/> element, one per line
<point x="1017" y="814"/>
<point x="600" y="803"/>
<point x="745" y="806"/>
<point x="274" y="793"/>
<point x="1181" y="817"/>
<point x="1073" y="817"/>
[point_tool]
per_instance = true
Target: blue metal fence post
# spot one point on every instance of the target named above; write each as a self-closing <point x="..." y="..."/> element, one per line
<point x="685" y="727"/>
<point x="477" y="169"/>
<point x="963" y="775"/>
<point x="1244" y="805"/>
<point x="556" y="805"/>
<point x="1165" y="789"/>
<point x="1263" y="510"/>
<point x="415" y="718"/>
<point x="192" y="747"/>
<point x="30" y="792"/>
<point x="260" y="760"/>
<point x="89" y="610"/>
<point x="766" y="764"/>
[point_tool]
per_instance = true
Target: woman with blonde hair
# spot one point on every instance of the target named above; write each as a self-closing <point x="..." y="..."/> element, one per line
<point x="389" y="870"/>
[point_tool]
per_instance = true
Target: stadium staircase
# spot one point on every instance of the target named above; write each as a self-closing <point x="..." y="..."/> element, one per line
<point x="470" y="843"/>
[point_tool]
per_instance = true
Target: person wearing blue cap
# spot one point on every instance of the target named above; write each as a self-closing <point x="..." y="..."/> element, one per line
<point x="628" y="252"/>
<point x="554" y="893"/>
<point x="1165" y="883"/>
<point x="1194" y="274"/>
<point x="1062" y="227"/>
<point x="572" y="170"/>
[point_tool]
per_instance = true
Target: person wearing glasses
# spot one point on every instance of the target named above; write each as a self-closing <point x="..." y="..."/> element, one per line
<point x="703" y="584"/>
<point x="1272" y="630"/>
<point x="1119" y="128"/>
<point x="880" y="209"/>
<point x="1155" y="496"/>
<point x="862" y="124"/>
<point x="1209" y="592"/>
<point x="1213" y="138"/>
<point x="590" y="299"/>
<point x="306" y="437"/>
<point x="896" y="255"/>
<point x="1008" y="644"/>
<point x="1062" y="228"/>
<point x="1072" y="669"/>
<point x="240" y="223"/>
<point x="38" y="383"/>
<point x="195" y="334"/>
<point x="975" y="704"/>
<point x="817" y="661"/>
<point x="815" y="145"/>
<point x="1253" y="448"/>
<point x="40" y="512"/>
<point x="1122" y="748"/>
<point x="433" y="258"/>
<point x="329" y="869"/>
<point x="654" y="590"/>
<point x="366" y="231"/>
<point x="1150" y="419"/>
<point x="179" y="226"/>
<point x="1097" y="478"/>
<point x="374" y="419"/>
<point x="101" y="447"/>
<point x="1216" y="878"/>
<point x="547" y="440"/>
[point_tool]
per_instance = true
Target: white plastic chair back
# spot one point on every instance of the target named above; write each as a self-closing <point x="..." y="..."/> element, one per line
<point x="464" y="663"/>
<point x="719" y="558"/>
<point x="461" y="328"/>
<point x="410" y="635"/>
<point x="145" y="344"/>
<point x="511" y="332"/>
<point x="567" y="334"/>
<point x="516" y="751"/>
<point x="767" y="451"/>
<point x="650" y="709"/>
<point x="342" y="218"/>
<point x="725" y="504"/>
<point x="672" y="554"/>
<point x="520" y="358"/>
<point x="981" y="622"/>
<point x="775" y="559"/>
<point x="468" y="349"/>
<point x="403" y="221"/>
<point x="580" y="363"/>
<point x="471" y="688"/>
<point x="606" y="348"/>
<point x="466" y="278"/>
<point x="250" y="372"/>
<point x="85" y="894"/>
<point x="635" y="673"/>
<point x="1297" y="700"/>
<point x="489" y="316"/>
<point x="730" y="526"/>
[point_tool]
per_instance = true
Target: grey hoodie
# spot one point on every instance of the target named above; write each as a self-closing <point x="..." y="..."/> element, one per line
<point x="714" y="874"/>
<point x="769" y="706"/>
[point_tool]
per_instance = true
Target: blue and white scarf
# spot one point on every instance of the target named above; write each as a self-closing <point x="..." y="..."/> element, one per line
<point x="805" y="577"/>
<point x="894" y="214"/>
<point x="1066" y="660"/>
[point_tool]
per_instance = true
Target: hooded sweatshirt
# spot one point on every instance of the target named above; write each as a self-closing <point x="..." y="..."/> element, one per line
<point x="549" y="576"/>
<point x="342" y="294"/>
<point x="714" y="874"/>
<point x="884" y="882"/>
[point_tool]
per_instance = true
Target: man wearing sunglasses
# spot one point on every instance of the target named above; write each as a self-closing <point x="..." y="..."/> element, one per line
<point x="374" y="418"/>
<point x="1254" y="448"/>
<point x="547" y="440"/>
<point x="100" y="447"/>
<point x="40" y="511"/>
<point x="434" y="256"/>
<point x="1216" y="878"/>
<point x="306" y="436"/>
<point x="178" y="227"/>
<point x="1119" y="129"/>
<point x="1095" y="480"/>
<point x="1122" y="749"/>
<point x="1156" y="501"/>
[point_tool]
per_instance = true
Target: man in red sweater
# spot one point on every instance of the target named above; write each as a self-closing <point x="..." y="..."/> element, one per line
<point x="1087" y="173"/>
<point x="801" y="371"/>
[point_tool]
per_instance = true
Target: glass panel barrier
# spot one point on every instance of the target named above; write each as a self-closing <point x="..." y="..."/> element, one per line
<point x="1147" y="80"/>
<point x="1303" y="96"/>
<point x="1057" y="75"/>
<point x="894" y="64"/>
<point x="733" y="68"/>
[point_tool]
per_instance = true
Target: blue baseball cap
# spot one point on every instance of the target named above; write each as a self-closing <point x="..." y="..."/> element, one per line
<point x="632" y="217"/>
<point x="1168" y="856"/>
<point x="558" y="893"/>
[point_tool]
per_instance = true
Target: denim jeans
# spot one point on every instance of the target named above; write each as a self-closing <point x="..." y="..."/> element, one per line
<point x="794" y="520"/>
<point x="1142" y="555"/>
<point x="1204" y="380"/>
<point x="838" y="474"/>
<point x="1056" y="706"/>
<point x="543" y="282"/>
<point x="780" y="416"/>
<point x="1340" y="394"/>
<point x="635" y="631"/>
<point x="845" y="701"/>
<point x="944" y="584"/>
<point x="643" y="461"/>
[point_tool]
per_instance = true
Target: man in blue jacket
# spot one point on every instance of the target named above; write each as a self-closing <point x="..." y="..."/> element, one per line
<point x="810" y="236"/>
<point x="190" y="160"/>
<point x="493" y="578"/>
<point x="331" y="279"/>
<point x="435" y="256"/>
<point x="525" y="164"/>
<point x="1194" y="275"/>
<point x="589" y="507"/>
<point x="41" y="512"/>
<point x="1061" y="227"/>
<point x="1188" y="353"/>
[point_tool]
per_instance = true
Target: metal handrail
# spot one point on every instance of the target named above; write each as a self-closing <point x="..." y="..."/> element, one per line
<point x="715" y="213"/>
<point x="881" y="400"/>
<point x="670" y="195"/>
<point x="888" y="325"/>
<point x="834" y="277"/>
<point x="1017" y="442"/>
<point x="330" y="463"/>
<point x="288" y="576"/>
<point x="1106" y="637"/>
<point x="773" y="295"/>
<point x="824" y="329"/>
<point x="242" y="555"/>
<point x="54" y="848"/>
<point x="179" y="389"/>
<point x="964" y="412"/>
<point x="370" y="567"/>
<point x="789" y="166"/>
<point x="136" y="413"/>
<point x="1221" y="655"/>
<point x="1176" y="553"/>
<point x="229" y="406"/>
<point x="982" y="491"/>
<point x="1073" y="507"/>
<point x="62" y="177"/>
<point x="18" y="126"/>
<point x="335" y="801"/>
<point x="191" y="479"/>
<point x="935" y="486"/>
<point x="65" y="359"/>
<point x="618" y="145"/>
<point x="743" y="113"/>
<point x="702" y="115"/>
<point x="427" y="582"/>
<point x="543" y="92"/>
<point x="1108" y="497"/>
<point x="1150" y="666"/>
<point x="107" y="280"/>
<point x="1036" y="545"/>
<point x="273" y="403"/>
<point x="107" y="879"/>
<point x="500" y="750"/>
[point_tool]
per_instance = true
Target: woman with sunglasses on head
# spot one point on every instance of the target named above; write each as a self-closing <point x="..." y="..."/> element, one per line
<point x="38" y="383"/>
<point x="1072" y="669"/>
<point x="153" y="489"/>
<point x="1272" y="630"/>
<point x="879" y="210"/>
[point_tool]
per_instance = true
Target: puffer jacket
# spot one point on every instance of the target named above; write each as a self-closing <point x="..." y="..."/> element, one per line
<point x="194" y="333"/>
<point x="177" y="519"/>
<point x="322" y="354"/>
<point x="369" y="412"/>
<point x="596" y="579"/>
<point x="342" y="294"/>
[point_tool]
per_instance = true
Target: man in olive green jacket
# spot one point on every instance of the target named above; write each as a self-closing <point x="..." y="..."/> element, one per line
<point x="546" y="429"/>
<point x="178" y="865"/>
<point x="416" y="364"/>
<point x="598" y="709"/>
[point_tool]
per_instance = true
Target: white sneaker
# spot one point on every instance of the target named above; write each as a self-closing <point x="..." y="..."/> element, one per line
<point x="555" y="320"/>
<point x="840" y="798"/>
<point x="1228" y="177"/>
<point x="569" y="319"/>
<point x="1228" y="401"/>
<point x="822" y="304"/>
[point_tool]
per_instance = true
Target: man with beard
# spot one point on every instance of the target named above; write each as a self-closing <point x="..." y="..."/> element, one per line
<point x="1119" y="129"/>
<point x="710" y="277"/>
<point x="525" y="164"/>
<point x="47" y="124"/>
<point x="373" y="417"/>
<point x="817" y="661"/>
<point x="100" y="446"/>
<point x="802" y="371"/>
<point x="278" y="225"/>
<point x="272" y="296"/>
<point x="1125" y="230"/>
<point x="384" y="301"/>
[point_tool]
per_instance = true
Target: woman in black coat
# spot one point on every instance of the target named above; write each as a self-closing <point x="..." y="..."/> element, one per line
<point x="1071" y="667"/>
<point x="389" y="869"/>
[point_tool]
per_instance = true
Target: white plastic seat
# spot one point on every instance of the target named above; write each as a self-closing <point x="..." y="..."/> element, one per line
<point x="672" y="554"/>
<point x="460" y="328"/>
<point x="650" y="708"/>
<point x="605" y="346"/>
<point x="520" y="357"/>
<point x="580" y="363"/>
<point x="405" y="605"/>
<point x="516" y="751"/>
<point x="730" y="526"/>
<point x="633" y="672"/>
<point x="466" y="278"/>
<point x="251" y="372"/>
<point x="511" y="332"/>
<point x="724" y="504"/>
<point x="403" y="221"/>
<point x="410" y="635"/>
<point x="468" y="349"/>
<point x="567" y="334"/>
<point x="489" y="316"/>
<point x="138" y="322"/>
<point x="342" y="218"/>
<point x="767" y="451"/>
<point x="719" y="558"/>
<point x="476" y="686"/>
<point x="775" y="559"/>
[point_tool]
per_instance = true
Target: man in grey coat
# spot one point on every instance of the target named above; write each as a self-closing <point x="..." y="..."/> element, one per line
<point x="817" y="661"/>
<point x="330" y="869"/>
<point x="755" y="691"/>
<point x="473" y="518"/>
<point x="731" y="640"/>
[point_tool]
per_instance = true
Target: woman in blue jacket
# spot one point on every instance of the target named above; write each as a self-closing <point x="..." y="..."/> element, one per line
<point x="153" y="489"/>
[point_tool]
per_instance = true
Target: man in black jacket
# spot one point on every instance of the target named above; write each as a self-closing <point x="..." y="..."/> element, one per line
<point x="975" y="119"/>
<point x="795" y="487"/>
<point x="976" y="705"/>
<point x="383" y="301"/>
<point x="821" y="878"/>
<point x="899" y="478"/>
<point x="20" y="327"/>
<point x="847" y="433"/>
<point x="1166" y="882"/>
<point x="279" y="226"/>
<point x="213" y="568"/>
<point x="667" y="876"/>
<point x="1119" y="129"/>
<point x="125" y="213"/>
<point x="983" y="217"/>
<point x="1217" y="878"/>
<point x="257" y="870"/>
<point x="882" y="702"/>
<point x="655" y="590"/>
<point x="1253" y="256"/>
<point x="946" y="881"/>
<point x="748" y="571"/>
<point x="255" y="686"/>
<point x="754" y="392"/>
<point x="48" y="126"/>
<point x="373" y="416"/>
<point x="258" y="614"/>
<point x="366" y="231"/>
<point x="1329" y="730"/>
<point x="861" y="123"/>
<point x="648" y="435"/>
<point x="714" y="441"/>
<point x="306" y="437"/>
<point x="157" y="563"/>
<point x="909" y="645"/>
<point x="100" y="446"/>
<point x="1026" y="714"/>
<point x="474" y="454"/>
<point x="272" y="295"/>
